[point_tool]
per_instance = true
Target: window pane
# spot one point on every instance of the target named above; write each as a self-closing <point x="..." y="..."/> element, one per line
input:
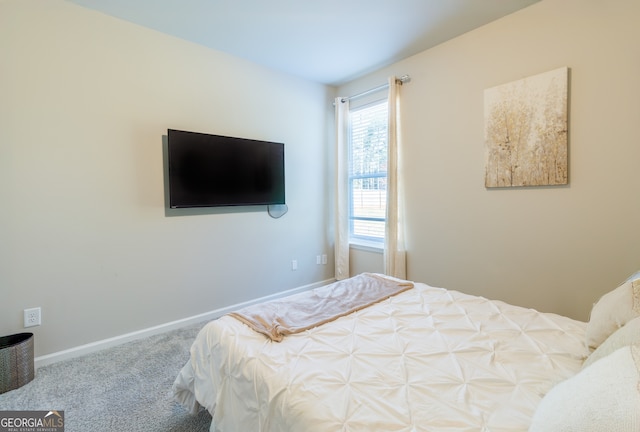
<point x="368" y="202"/>
<point x="368" y="171"/>
<point x="368" y="210"/>
<point x="369" y="140"/>
<point x="368" y="230"/>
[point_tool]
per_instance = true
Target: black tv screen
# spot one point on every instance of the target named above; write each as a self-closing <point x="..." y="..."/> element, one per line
<point x="213" y="170"/>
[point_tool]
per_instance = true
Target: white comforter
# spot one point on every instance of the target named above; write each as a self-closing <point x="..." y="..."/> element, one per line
<point x="427" y="359"/>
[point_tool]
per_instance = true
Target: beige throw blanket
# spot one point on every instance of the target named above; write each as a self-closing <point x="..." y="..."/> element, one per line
<point x="303" y="311"/>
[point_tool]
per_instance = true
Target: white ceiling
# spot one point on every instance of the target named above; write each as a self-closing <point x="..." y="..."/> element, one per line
<point x="328" y="41"/>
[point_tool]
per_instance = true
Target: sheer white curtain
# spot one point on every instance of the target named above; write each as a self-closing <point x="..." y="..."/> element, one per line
<point x="341" y="193"/>
<point x="394" y="252"/>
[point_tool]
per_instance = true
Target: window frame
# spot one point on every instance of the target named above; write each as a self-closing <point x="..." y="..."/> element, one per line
<point x="359" y="241"/>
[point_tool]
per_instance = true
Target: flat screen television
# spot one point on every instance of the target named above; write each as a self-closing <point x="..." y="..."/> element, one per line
<point x="213" y="170"/>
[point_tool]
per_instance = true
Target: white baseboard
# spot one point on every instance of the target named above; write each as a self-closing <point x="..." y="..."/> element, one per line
<point x="162" y="328"/>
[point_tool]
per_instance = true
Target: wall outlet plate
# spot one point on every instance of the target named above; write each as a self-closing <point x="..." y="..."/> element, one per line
<point x="32" y="317"/>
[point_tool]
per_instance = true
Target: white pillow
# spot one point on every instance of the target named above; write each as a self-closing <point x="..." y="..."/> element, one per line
<point x="613" y="310"/>
<point x="627" y="335"/>
<point x="602" y="397"/>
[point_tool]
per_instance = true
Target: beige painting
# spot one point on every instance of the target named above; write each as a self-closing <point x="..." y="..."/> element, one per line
<point x="526" y="131"/>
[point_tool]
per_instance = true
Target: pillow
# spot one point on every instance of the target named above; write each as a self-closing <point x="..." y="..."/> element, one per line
<point x="627" y="335"/>
<point x="602" y="397"/>
<point x="614" y="310"/>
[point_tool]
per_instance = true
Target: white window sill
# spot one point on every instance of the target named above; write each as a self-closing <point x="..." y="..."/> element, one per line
<point x="367" y="246"/>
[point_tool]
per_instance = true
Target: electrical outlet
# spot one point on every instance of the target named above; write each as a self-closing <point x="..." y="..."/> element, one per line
<point x="324" y="259"/>
<point x="294" y="265"/>
<point x="32" y="317"/>
<point x="318" y="259"/>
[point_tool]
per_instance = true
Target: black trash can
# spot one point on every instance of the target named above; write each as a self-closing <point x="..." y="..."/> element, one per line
<point x="16" y="361"/>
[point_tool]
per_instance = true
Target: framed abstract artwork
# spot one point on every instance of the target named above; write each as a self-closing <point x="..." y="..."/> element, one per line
<point x="526" y="131"/>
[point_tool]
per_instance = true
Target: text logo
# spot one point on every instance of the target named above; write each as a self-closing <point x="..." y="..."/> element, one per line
<point x="31" y="421"/>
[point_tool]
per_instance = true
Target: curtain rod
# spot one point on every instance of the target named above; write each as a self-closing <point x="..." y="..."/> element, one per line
<point x="403" y="79"/>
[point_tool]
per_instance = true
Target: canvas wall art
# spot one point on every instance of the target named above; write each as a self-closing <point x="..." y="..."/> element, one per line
<point x="526" y="131"/>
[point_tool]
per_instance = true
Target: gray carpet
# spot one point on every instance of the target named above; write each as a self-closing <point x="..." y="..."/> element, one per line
<point x="125" y="388"/>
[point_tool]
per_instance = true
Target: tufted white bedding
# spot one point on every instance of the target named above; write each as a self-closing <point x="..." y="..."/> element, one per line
<point x="427" y="359"/>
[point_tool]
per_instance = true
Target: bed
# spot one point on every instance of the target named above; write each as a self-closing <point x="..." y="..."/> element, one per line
<point x="420" y="359"/>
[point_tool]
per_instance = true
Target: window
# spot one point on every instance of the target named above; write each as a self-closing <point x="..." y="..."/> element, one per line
<point x="368" y="173"/>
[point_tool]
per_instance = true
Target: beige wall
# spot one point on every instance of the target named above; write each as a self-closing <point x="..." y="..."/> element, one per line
<point x="555" y="248"/>
<point x="85" y="100"/>
<point x="363" y="260"/>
